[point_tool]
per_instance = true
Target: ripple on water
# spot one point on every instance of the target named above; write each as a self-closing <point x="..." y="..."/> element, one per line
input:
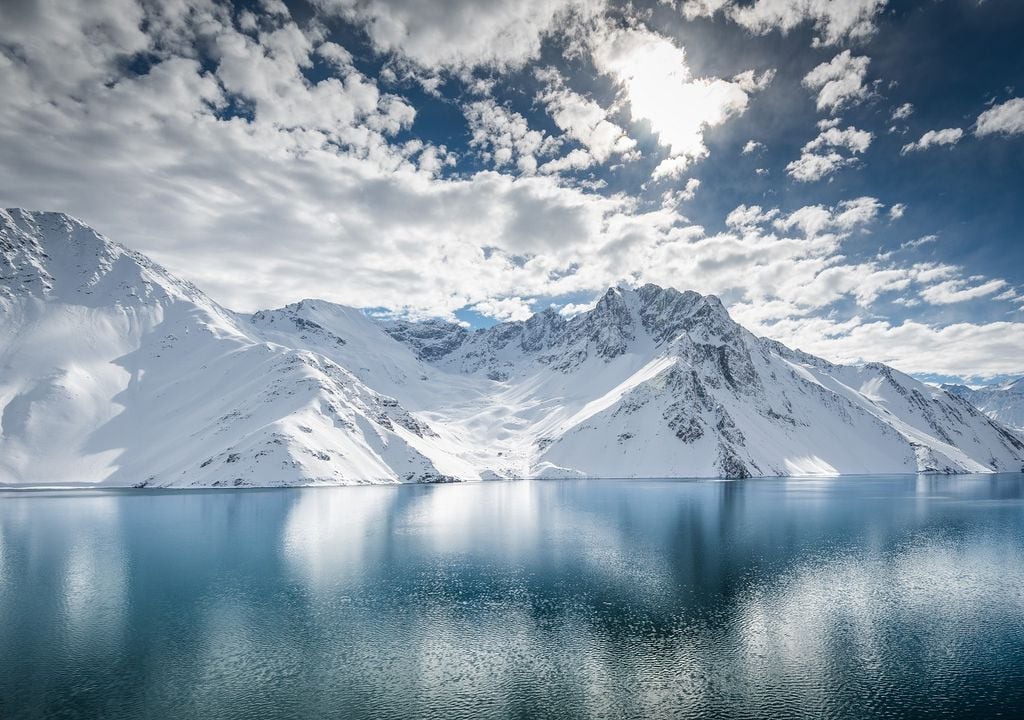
<point x="556" y="600"/>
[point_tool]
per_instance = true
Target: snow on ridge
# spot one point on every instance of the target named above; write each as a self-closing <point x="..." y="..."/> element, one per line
<point x="152" y="383"/>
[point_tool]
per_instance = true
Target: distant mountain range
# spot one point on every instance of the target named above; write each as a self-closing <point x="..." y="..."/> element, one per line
<point x="1003" y="402"/>
<point x="114" y="372"/>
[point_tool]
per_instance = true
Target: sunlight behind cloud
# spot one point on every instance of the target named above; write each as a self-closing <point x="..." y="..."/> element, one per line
<point x="660" y="88"/>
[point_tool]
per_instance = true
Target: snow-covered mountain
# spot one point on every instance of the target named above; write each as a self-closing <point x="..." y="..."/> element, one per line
<point x="655" y="382"/>
<point x="1003" y="402"/>
<point x="113" y="371"/>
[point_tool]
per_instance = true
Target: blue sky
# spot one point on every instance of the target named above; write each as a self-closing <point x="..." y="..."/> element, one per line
<point x="847" y="176"/>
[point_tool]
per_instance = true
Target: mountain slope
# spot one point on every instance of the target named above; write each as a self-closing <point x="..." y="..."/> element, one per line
<point x="114" y="372"/>
<point x="1003" y="402"/>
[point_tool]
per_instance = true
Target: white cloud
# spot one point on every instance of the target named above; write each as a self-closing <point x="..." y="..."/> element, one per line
<point x="582" y="119"/>
<point x="693" y="9"/>
<point x="573" y="309"/>
<point x="576" y="159"/>
<point x="275" y="7"/>
<point x="903" y="112"/>
<point x="852" y="139"/>
<point x="923" y="240"/>
<point x="932" y="138"/>
<point x="266" y="210"/>
<point x="268" y="72"/>
<point x="967" y="349"/>
<point x="811" y="167"/>
<point x="751" y="83"/>
<point x="656" y="80"/>
<point x="839" y="82"/>
<point x="957" y="290"/>
<point x="834" y="20"/>
<point x="746" y="217"/>
<point x="690" y="190"/>
<point x="505" y="136"/>
<point x="460" y="34"/>
<point x="897" y="211"/>
<point x="670" y="168"/>
<point x="820" y="157"/>
<point x="672" y="198"/>
<point x="511" y="308"/>
<point x="814" y="220"/>
<point x="859" y="211"/>
<point x="1005" y="119"/>
<point x="752" y="146"/>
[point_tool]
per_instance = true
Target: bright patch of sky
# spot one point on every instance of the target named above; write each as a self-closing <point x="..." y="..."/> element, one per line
<point x="845" y="175"/>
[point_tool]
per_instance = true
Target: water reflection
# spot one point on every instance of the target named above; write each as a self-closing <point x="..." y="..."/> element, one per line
<point x="330" y="538"/>
<point x="787" y="598"/>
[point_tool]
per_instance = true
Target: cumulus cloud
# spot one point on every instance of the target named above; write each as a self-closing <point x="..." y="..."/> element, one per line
<point x="897" y="211"/>
<point x="958" y="290"/>
<point x="670" y="168"/>
<point x="834" y="20"/>
<point x="575" y="159"/>
<point x="750" y="82"/>
<point x="967" y="349"/>
<point x="839" y="82"/>
<point x="573" y="309"/>
<point x="932" y="138"/>
<point x="815" y="220"/>
<point x="672" y="198"/>
<point x="656" y="80"/>
<point x="289" y="207"/>
<point x="505" y="136"/>
<point x="460" y="34"/>
<point x="746" y="217"/>
<point x="852" y="139"/>
<point x="821" y="157"/>
<point x="511" y="308"/>
<point x="752" y="146"/>
<point x="693" y="9"/>
<point x="903" y="112"/>
<point x="1004" y="119"/>
<point x="811" y="167"/>
<point x="582" y="119"/>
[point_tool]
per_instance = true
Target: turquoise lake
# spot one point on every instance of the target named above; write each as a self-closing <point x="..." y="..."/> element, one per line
<point x="898" y="596"/>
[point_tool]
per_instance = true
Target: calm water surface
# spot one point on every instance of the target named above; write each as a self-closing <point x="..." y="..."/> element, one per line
<point x="864" y="597"/>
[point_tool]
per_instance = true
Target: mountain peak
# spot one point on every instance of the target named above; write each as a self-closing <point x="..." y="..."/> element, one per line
<point x="52" y="254"/>
<point x="42" y="252"/>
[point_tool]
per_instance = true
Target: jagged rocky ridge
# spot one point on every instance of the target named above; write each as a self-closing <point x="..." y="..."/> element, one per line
<point x="112" y="371"/>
